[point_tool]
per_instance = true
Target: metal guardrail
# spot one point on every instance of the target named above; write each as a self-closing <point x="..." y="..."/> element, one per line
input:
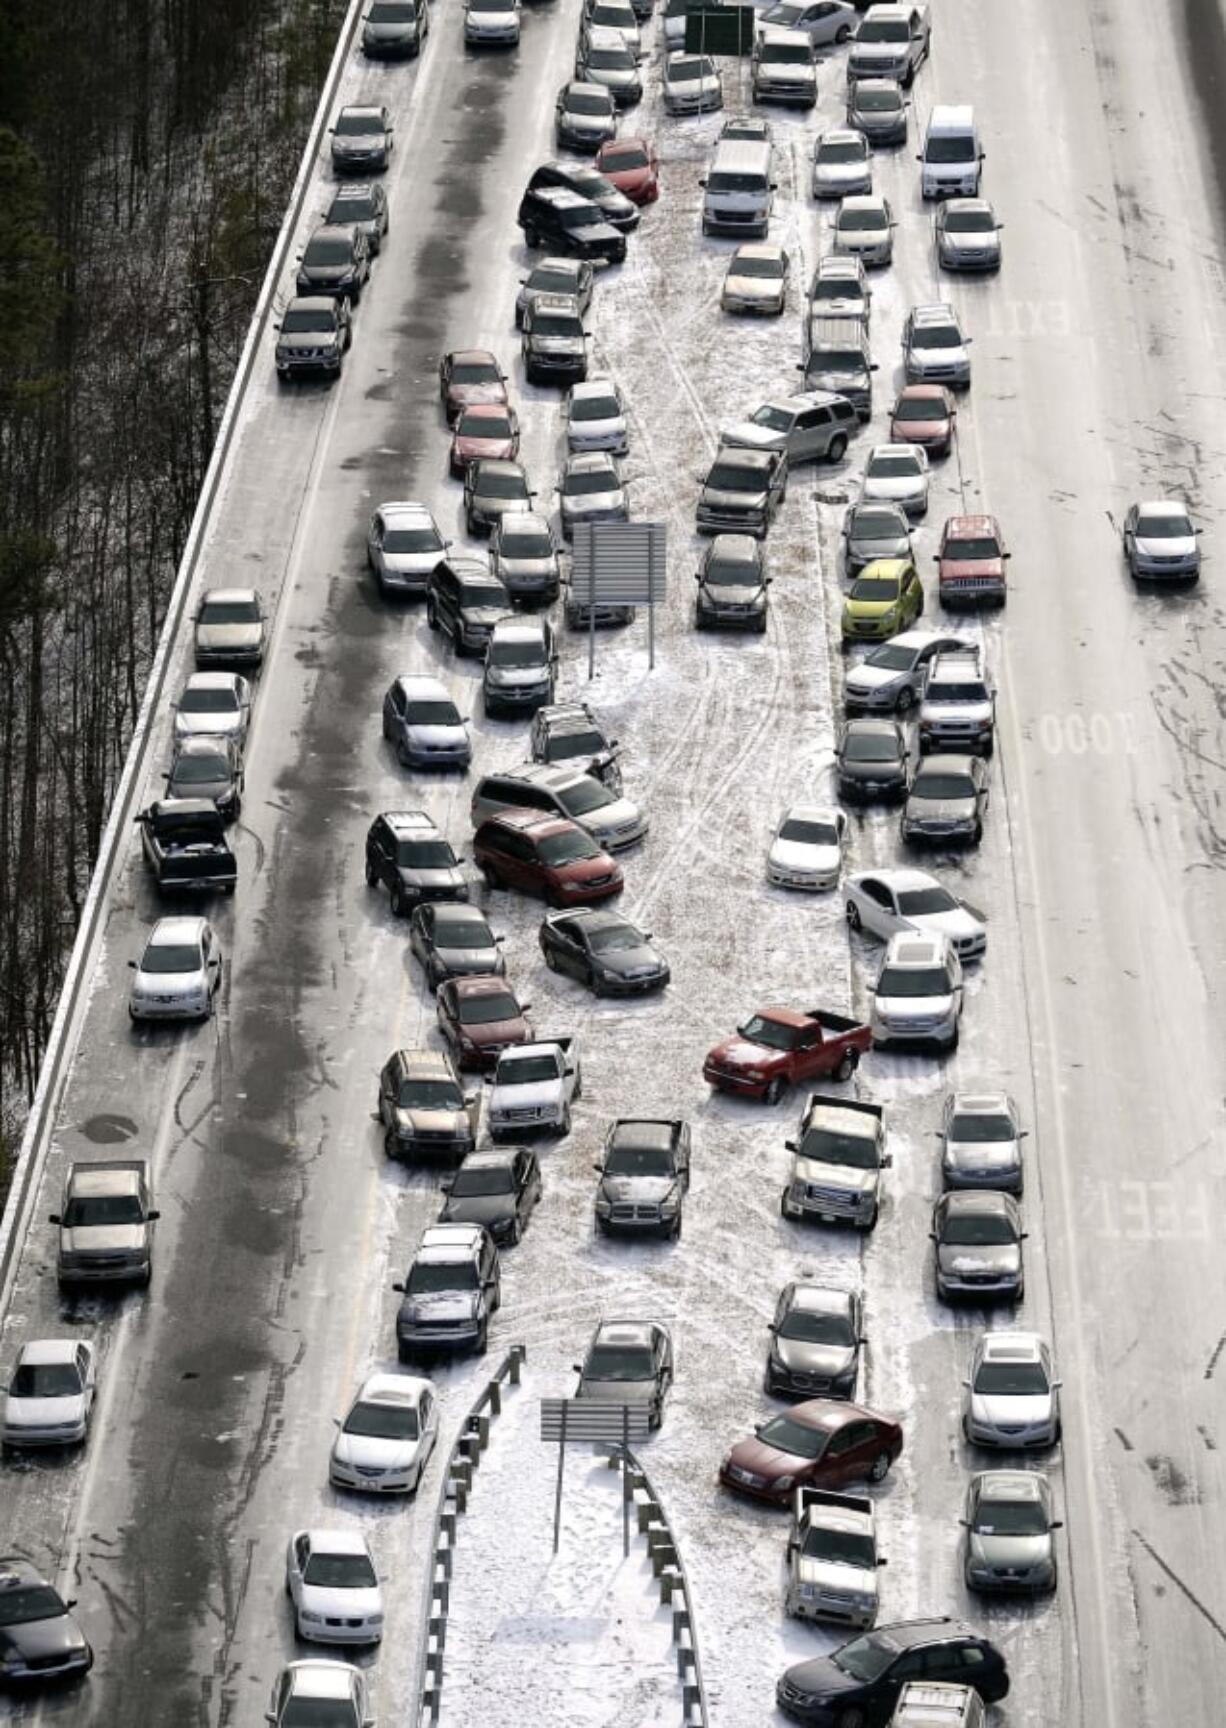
<point x="74" y="992"/>
<point x="462" y="1462"/>
<point x="667" y="1566"/>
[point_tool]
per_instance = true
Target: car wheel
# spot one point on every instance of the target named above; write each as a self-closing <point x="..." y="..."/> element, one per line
<point x="404" y="1354"/>
<point x="848" y="1063"/>
<point x="953" y="1043"/>
<point x="674" y="1234"/>
<point x="871" y="1221"/>
<point x="838" y="448"/>
<point x="906" y="700"/>
<point x="919" y="610"/>
<point x="977" y="835"/>
<point x="881" y="1467"/>
<point x="565" y="1126"/>
<point x="236" y="809"/>
<point x="842" y="35"/>
<point x="491" y="876"/>
<point x="551" y="960"/>
<point x="431" y="615"/>
<point x="774" y="1092"/>
<point x="578" y="1086"/>
<point x="400" y="905"/>
<point x="389" y="1143"/>
<point x="517" y="1233"/>
<point x="853" y="916"/>
<point x="854" y="1718"/>
<point x="483" y="1340"/>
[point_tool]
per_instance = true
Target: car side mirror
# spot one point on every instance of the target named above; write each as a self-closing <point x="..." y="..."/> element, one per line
<point x="269" y="1717"/>
<point x="132" y="963"/>
<point x="872" y="366"/>
<point x="1056" y="1385"/>
<point x="1022" y="1235"/>
<point x="965" y="1523"/>
<point x="576" y="1367"/>
<point x="703" y="181"/>
<point x="887" y="1158"/>
<point x="524" y="1007"/>
<point x="398" y="1287"/>
<point x="54" y="1218"/>
<point x="774" y="186"/>
<point x="932" y="1235"/>
<point x="967" y="1384"/>
<point x="152" y="1216"/>
<point x="790" y="1146"/>
<point x="1056" y="1524"/>
<point x="446" y="1185"/>
<point x="698" y="575"/>
<point x="598" y="1168"/>
<point x="336" y="1421"/>
<point x="500" y="937"/>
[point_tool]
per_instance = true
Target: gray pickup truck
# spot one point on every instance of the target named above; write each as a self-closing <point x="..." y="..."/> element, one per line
<point x="185" y="845"/>
<point x="106" y="1223"/>
<point x="837" y="1160"/>
<point x="891" y="42"/>
<point x="644" y="1175"/>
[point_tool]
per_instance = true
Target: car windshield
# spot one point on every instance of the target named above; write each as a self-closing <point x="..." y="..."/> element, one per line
<point x="1011" y="1379"/>
<point x="978" y="1230"/>
<point x="1164" y="526"/>
<point x="875" y="588"/>
<point x="878" y="525"/>
<point x="391" y="12"/>
<point x="476" y="1183"/>
<point x="980" y="1127"/>
<point x="208" y="701"/>
<point x="525" y="543"/>
<point x="171" y="957"/>
<point x="625" y="158"/>
<point x="301" y="1712"/>
<point x="585" y="482"/>
<point x="759" y="1030"/>
<point x="785" y="54"/>
<point x="615" y="936"/>
<point x="680" y="71"/>
<point x="489" y="594"/>
<point x="581" y="215"/>
<point x="467" y="935"/>
<point x="619" y="1362"/>
<point x="383" y="1421"/>
<point x="845" y="150"/>
<point x="788" y="1435"/>
<point x="429" y="1095"/>
<point x="836" y="360"/>
<point x="507" y="651"/>
<point x="354" y="206"/>
<point x="1010" y="1518"/>
<point x="46" y="1380"/>
<point x="894" y="468"/>
<point x="974" y="546"/>
<point x="836" y="288"/>
<point x="570" y="744"/>
<point x="913" y="981"/>
<point x="568" y="848"/>
<point x="726" y="182"/>
<point x="878" y="101"/>
<point x="89" y="1211"/>
<point x="871" y="746"/>
<point x="775" y="419"/>
<point x="860" y="221"/>
<point x="488" y="1010"/>
<point x="852" y="1151"/>
<point x="735" y="573"/>
<point x="351" y="125"/>
<point x="638" y="1161"/>
<point x="770" y="269"/>
<point x="928" y="785"/>
<point x="529" y="1070"/>
<point x="923" y="902"/>
<point x="865" y="1659"/>
<point x="958" y="693"/>
<point x="201" y="770"/>
<point x="327" y="252"/>
<point x="425" y="855"/>
<point x="884" y="30"/>
<point x="841" y="1547"/>
<point x="340" y="1572"/>
<point x="29" y="1602"/>
<point x="809" y="833"/>
<point x="300" y="320"/>
<point x="949" y="150"/>
<point x="587" y="102"/>
<point x="595" y="408"/>
<point x="428" y="1277"/>
<point x="412" y="540"/>
<point x="970" y="222"/>
<point x="585" y="796"/>
<point x="475" y="372"/>
<point x="230" y="612"/>
<point x="920" y="408"/>
<point x="501" y="483"/>
<point x="610" y="59"/>
<point x="731" y="477"/>
<point x="485" y="425"/>
<point x="557" y="324"/>
<point x="432" y="714"/>
<point x="817" y="1328"/>
<point x="936" y="336"/>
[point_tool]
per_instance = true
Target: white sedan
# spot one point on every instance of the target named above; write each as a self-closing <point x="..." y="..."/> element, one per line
<point x="822" y="21"/>
<point x="897" y="474"/>
<point x="179" y="974"/>
<point x="332" y="1582"/>
<point x="385" y="1441"/>
<point x="882" y="902"/>
<point x="319" y="1691"/>
<point x="691" y="84"/>
<point x="807" y="851"/>
<point x="51" y="1394"/>
<point x="757" y="279"/>
<point x="214" y="703"/>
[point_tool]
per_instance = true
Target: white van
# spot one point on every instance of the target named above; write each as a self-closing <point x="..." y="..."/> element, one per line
<point x="738" y="191"/>
<point x="952" y="155"/>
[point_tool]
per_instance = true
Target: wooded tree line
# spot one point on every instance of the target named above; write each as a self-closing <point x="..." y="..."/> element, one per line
<point x="147" y="149"/>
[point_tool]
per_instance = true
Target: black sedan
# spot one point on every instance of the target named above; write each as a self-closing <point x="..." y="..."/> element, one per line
<point x="39" y="1639"/>
<point x="208" y="766"/>
<point x="871" y="759"/>
<point x="498" y="1189"/>
<point x="604" y="951"/>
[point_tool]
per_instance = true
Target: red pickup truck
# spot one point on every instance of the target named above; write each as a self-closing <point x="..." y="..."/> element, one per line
<point x="780" y="1047"/>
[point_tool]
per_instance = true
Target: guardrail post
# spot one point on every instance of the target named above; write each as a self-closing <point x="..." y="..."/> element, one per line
<point x="436" y="1628"/>
<point x="446" y="1527"/>
<point x="493" y="1393"/>
<point x="685" y="1661"/>
<point x="681" y="1623"/>
<point x="442" y="1559"/>
<point x="519" y="1355"/>
<point x="650" y="1517"/>
<point x="691" y="1698"/>
<point x="462" y="1472"/>
<point x="479" y="1426"/>
<point x="670" y="1583"/>
<point x="440" y="1594"/>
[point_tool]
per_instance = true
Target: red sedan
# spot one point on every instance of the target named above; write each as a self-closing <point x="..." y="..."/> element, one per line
<point x="818" y="1444"/>
<point x="467" y="376"/>
<point x="480" y="1018"/>
<point x="630" y="163"/>
<point x="924" y="414"/>
<point x="485" y="429"/>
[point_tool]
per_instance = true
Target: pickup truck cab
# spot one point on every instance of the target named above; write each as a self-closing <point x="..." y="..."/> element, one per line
<point x="837" y="1159"/>
<point x="832" y="1559"/>
<point x="534" y="1087"/>
<point x="644" y="1176"/>
<point x="892" y="42"/>
<point x="184" y="843"/>
<point x="779" y="1047"/>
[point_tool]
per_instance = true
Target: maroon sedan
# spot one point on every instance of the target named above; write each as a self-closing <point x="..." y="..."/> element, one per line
<point x="485" y="429"/>
<point x="630" y="163"/>
<point x="467" y="376"/>
<point x="924" y="414"/>
<point x="480" y="1018"/>
<point x="545" y="855"/>
<point x="818" y="1444"/>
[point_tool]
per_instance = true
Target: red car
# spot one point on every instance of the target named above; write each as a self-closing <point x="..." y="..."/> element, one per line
<point x="545" y="855"/>
<point x="480" y="1018"/>
<point x="485" y="429"/>
<point x="971" y="562"/>
<point x="630" y="163"/>
<point x="778" y="1047"/>
<point x="818" y="1444"/>
<point x="924" y="414"/>
<point x="467" y="376"/>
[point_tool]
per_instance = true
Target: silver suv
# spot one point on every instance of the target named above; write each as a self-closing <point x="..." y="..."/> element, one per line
<point x="521" y="664"/>
<point x="614" y="822"/>
<point x="934" y="348"/>
<point x="917" y="998"/>
<point x="958" y="707"/>
<point x="815" y="425"/>
<point x="453" y="1287"/>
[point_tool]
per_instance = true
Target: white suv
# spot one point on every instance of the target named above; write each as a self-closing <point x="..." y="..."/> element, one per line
<point x="958" y="707"/>
<point x="918" y="994"/>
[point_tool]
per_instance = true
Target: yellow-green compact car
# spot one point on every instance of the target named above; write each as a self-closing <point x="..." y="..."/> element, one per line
<point x="886" y="597"/>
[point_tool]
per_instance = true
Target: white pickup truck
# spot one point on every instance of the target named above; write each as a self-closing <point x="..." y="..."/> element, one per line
<point x="534" y="1087"/>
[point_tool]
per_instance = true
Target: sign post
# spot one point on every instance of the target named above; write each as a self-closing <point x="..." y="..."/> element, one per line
<point x="617" y="1425"/>
<point x="619" y="564"/>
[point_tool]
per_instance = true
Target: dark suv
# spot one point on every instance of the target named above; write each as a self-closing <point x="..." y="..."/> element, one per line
<point x="464" y="599"/>
<point x="336" y="262"/>
<point x="406" y="854"/>
<point x="555" y="217"/>
<point x="861" y="1680"/>
<point x="589" y="183"/>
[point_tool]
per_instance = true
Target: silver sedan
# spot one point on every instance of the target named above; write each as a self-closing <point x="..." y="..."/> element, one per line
<point x="591" y="491"/>
<point x="49" y="1399"/>
<point x="1008" y="1546"/>
<point x="1160" y="542"/>
<point x="216" y="703"/>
